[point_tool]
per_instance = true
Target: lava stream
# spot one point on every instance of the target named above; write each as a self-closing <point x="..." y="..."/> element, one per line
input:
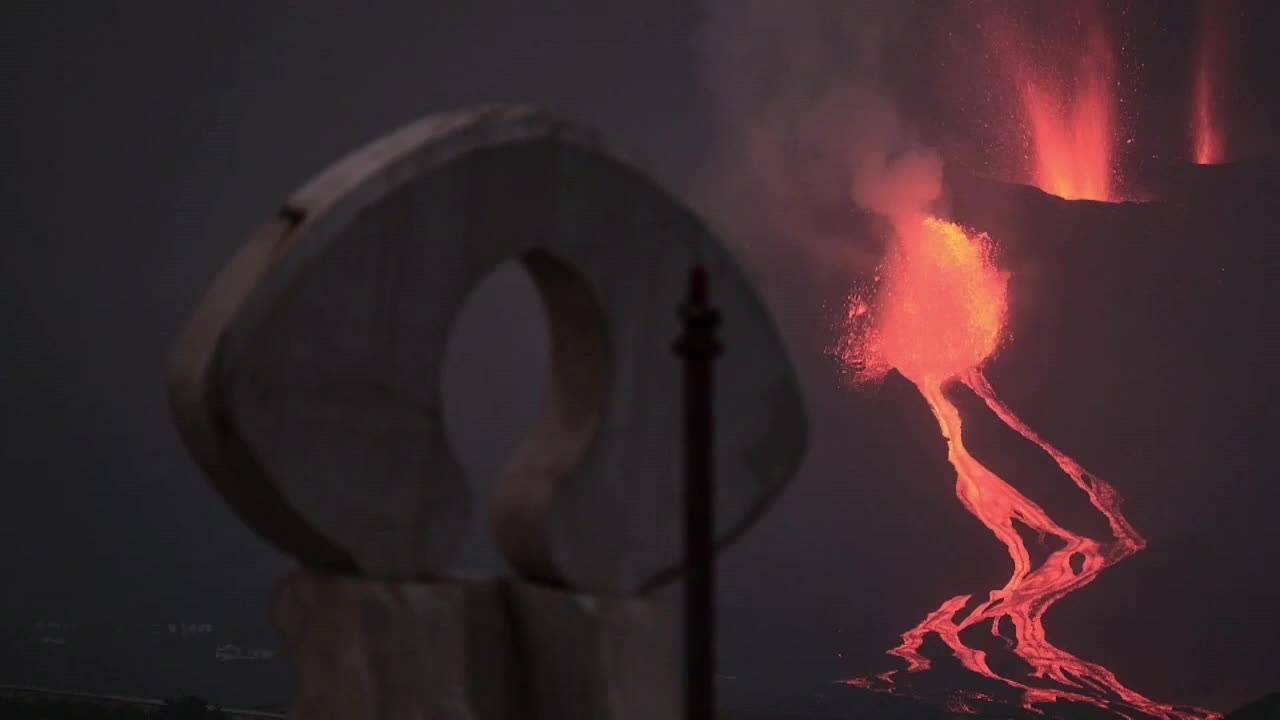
<point x="939" y="314"/>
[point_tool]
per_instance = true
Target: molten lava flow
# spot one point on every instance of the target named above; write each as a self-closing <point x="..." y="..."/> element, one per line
<point x="939" y="314"/>
<point x="1207" y="137"/>
<point x="1068" y="105"/>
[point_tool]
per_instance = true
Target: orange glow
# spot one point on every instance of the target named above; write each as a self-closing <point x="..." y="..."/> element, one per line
<point x="1068" y="105"/>
<point x="1207" y="134"/>
<point x="938" y="315"/>
<point x="940" y="309"/>
<point x="1207" y="137"/>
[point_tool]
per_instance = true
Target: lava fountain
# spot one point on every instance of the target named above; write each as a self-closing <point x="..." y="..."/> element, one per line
<point x="938" y="314"/>
<point x="1067" y="99"/>
<point x="1208" y="142"/>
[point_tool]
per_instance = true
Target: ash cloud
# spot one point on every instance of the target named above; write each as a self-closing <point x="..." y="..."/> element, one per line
<point x="808" y="132"/>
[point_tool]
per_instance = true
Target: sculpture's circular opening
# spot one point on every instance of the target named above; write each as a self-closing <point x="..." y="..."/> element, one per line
<point x="524" y="384"/>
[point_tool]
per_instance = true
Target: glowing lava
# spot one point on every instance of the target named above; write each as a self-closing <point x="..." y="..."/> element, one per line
<point x="1207" y="137"/>
<point x="938" y="315"/>
<point x="1068" y="104"/>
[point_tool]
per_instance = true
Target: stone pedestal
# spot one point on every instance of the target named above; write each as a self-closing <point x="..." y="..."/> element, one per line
<point x="485" y="650"/>
<point x="382" y="649"/>
<point x="596" y="656"/>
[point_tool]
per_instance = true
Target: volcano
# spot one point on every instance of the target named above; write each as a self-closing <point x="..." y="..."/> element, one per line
<point x="1145" y="336"/>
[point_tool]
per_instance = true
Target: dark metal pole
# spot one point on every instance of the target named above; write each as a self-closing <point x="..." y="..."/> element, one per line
<point x="698" y="346"/>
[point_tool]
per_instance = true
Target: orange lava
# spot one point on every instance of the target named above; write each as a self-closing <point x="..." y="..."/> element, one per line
<point x="938" y="314"/>
<point x="1207" y="137"/>
<point x="1068" y="104"/>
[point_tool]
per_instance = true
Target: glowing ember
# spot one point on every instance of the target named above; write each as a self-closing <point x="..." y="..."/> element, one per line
<point x="938" y="315"/>
<point x="1207" y="137"/>
<point x="1068" y="106"/>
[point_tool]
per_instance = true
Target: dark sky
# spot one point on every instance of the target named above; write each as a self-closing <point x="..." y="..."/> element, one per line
<point x="143" y="140"/>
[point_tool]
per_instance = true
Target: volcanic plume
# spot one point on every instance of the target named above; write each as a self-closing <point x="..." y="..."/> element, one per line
<point x="937" y="315"/>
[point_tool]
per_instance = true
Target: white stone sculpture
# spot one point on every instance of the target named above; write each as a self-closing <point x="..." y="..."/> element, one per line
<point x="307" y="388"/>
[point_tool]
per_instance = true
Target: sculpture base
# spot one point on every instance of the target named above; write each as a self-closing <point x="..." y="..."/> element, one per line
<point x="473" y="650"/>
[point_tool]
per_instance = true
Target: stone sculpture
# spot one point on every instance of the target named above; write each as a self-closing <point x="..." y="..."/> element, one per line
<point x="307" y="387"/>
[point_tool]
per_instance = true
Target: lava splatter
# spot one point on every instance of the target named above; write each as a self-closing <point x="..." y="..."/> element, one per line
<point x="1208" y="138"/>
<point x="1067" y="93"/>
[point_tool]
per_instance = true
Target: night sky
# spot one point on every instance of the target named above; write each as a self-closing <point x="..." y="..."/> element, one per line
<point x="143" y="140"/>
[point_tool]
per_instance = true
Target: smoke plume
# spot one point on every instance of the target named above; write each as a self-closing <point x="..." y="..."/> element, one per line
<point x="809" y="131"/>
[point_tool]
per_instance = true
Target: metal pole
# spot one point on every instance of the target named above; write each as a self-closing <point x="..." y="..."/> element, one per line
<point x="698" y="346"/>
